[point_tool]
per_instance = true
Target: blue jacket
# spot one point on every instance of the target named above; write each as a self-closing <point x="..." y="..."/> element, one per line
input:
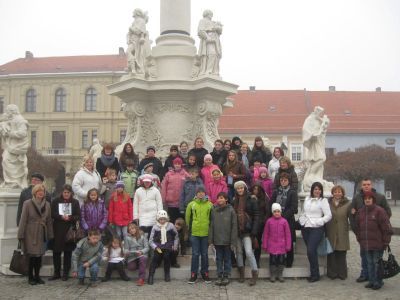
<point x="189" y="192"/>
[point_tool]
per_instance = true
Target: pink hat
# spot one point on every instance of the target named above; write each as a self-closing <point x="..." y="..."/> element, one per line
<point x="263" y="170"/>
<point x="147" y="177"/>
<point x="177" y="161"/>
<point x="207" y="156"/>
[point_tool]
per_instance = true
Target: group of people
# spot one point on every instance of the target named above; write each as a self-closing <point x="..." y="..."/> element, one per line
<point x="232" y="198"/>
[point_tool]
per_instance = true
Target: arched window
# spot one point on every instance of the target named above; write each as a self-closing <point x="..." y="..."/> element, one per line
<point x="60" y="100"/>
<point x="30" y="101"/>
<point x="90" y="99"/>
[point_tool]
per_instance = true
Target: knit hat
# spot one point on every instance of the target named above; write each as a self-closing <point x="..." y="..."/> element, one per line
<point x="239" y="183"/>
<point x="177" y="161"/>
<point x="162" y="214"/>
<point x="207" y="156"/>
<point x="148" y="165"/>
<point x="174" y="147"/>
<point x="147" y="177"/>
<point x="38" y="176"/>
<point x="369" y="194"/>
<point x="150" y="148"/>
<point x="119" y="184"/>
<point x="262" y="170"/>
<point x="276" y="206"/>
<point x="200" y="189"/>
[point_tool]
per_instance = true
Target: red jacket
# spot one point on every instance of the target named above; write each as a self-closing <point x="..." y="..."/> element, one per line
<point x="373" y="228"/>
<point x="120" y="211"/>
<point x="171" y="187"/>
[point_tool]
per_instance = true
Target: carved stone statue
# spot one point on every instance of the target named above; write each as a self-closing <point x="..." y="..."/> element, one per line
<point x="138" y="43"/>
<point x="95" y="150"/>
<point x="210" y="46"/>
<point x="14" y="134"/>
<point x="314" y="132"/>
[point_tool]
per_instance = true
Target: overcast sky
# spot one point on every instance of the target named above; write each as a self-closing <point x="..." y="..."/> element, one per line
<point x="285" y="44"/>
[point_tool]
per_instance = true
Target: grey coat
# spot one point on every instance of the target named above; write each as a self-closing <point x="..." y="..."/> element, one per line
<point x="223" y="226"/>
<point x="35" y="228"/>
<point x="132" y="245"/>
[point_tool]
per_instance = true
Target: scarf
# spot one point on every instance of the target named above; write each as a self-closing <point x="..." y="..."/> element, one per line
<point x="40" y="205"/>
<point x="163" y="229"/>
<point x="281" y="198"/>
<point x="107" y="160"/>
<point x="241" y="212"/>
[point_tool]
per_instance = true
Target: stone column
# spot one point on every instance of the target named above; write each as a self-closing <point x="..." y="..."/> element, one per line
<point x="175" y="16"/>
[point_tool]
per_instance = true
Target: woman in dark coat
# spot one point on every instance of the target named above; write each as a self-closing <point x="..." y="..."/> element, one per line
<point x="61" y="225"/>
<point x="287" y="198"/>
<point x="286" y="167"/>
<point x="198" y="151"/>
<point x="128" y="153"/>
<point x="107" y="160"/>
<point x="234" y="171"/>
<point x="260" y="151"/>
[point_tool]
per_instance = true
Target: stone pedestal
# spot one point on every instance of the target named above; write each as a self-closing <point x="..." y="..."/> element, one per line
<point x="8" y="227"/>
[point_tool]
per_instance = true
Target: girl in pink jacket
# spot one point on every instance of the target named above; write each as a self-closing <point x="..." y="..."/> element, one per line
<point x="171" y="188"/>
<point x="216" y="186"/>
<point x="207" y="169"/>
<point x="277" y="241"/>
<point x="265" y="181"/>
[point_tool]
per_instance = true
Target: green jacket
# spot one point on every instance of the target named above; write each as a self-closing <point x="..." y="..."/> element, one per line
<point x="198" y="216"/>
<point x="129" y="179"/>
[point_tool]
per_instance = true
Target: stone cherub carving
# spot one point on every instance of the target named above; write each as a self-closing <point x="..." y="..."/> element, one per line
<point x="15" y="141"/>
<point x="210" y="46"/>
<point x="314" y="133"/>
<point x="138" y="43"/>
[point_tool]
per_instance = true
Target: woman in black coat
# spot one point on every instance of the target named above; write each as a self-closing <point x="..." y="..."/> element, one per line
<point x="107" y="160"/>
<point x="65" y="212"/>
<point x="198" y="151"/>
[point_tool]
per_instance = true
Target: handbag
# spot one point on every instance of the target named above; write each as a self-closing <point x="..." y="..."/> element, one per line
<point x="388" y="268"/>
<point x="324" y="247"/>
<point x="74" y="233"/>
<point x="19" y="261"/>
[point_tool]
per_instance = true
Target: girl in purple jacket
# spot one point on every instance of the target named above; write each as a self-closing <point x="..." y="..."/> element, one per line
<point x="93" y="212"/>
<point x="277" y="241"/>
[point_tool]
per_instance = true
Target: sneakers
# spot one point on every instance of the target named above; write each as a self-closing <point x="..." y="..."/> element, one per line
<point x="176" y="266"/>
<point x="140" y="282"/>
<point x="193" y="278"/>
<point x="218" y="281"/>
<point x="206" y="278"/>
<point x="225" y="281"/>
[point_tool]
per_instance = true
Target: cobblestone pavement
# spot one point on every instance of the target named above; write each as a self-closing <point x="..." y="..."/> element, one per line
<point x="18" y="288"/>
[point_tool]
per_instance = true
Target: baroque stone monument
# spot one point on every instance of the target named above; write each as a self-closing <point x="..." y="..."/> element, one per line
<point x="170" y="93"/>
<point x="314" y="133"/>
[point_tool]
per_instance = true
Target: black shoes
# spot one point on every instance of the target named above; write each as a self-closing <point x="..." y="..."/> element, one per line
<point x="39" y="280"/>
<point x="362" y="279"/>
<point x="313" y="279"/>
<point x="192" y="278"/>
<point x="150" y="280"/>
<point x="54" y="277"/>
<point x="206" y="278"/>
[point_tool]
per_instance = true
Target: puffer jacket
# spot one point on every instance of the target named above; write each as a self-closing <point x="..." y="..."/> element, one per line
<point x="120" y="209"/>
<point x="277" y="237"/>
<point x="223" y="226"/>
<point x="373" y="229"/>
<point x="133" y="245"/>
<point x="214" y="188"/>
<point x="253" y="212"/>
<point x="94" y="215"/>
<point x="171" y="187"/>
<point x="206" y="175"/>
<point x="198" y="216"/>
<point x="84" y="180"/>
<point x="146" y="204"/>
<point x="189" y="192"/>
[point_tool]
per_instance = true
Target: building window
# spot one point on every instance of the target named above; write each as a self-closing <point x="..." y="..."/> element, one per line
<point x="122" y="135"/>
<point x="1" y="105"/>
<point x="85" y="139"/>
<point x="90" y="99"/>
<point x="30" y="101"/>
<point x="33" y="139"/>
<point x="60" y="100"/>
<point x="297" y="152"/>
<point x="94" y="134"/>
<point x="58" y="140"/>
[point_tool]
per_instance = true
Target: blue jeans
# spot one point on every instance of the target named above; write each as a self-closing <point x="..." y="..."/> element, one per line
<point x="93" y="269"/>
<point x="364" y="264"/>
<point x="199" y="248"/>
<point x="312" y="237"/>
<point x="373" y="257"/>
<point x="224" y="265"/>
<point x="245" y="242"/>
<point x="121" y="231"/>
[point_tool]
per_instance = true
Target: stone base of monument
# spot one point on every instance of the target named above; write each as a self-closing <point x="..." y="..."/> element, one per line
<point x="300" y="267"/>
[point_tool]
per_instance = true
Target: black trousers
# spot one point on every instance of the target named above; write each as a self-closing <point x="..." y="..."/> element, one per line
<point x="157" y="258"/>
<point x="115" y="266"/>
<point x="35" y="263"/>
<point x="66" y="262"/>
<point x="337" y="265"/>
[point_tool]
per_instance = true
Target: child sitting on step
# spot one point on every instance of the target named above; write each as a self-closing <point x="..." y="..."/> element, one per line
<point x="114" y="256"/>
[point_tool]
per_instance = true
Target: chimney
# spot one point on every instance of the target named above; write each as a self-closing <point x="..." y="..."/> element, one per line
<point x="378" y="89"/>
<point x="332" y="88"/>
<point x="28" y="54"/>
<point x="121" y="51"/>
<point x="252" y="88"/>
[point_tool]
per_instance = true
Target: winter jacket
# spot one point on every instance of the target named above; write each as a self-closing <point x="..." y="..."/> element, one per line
<point x="277" y="237"/>
<point x="189" y="189"/>
<point x="168" y="165"/>
<point x="253" y="213"/>
<point x="199" y="153"/>
<point x="26" y="194"/>
<point x="171" y="187"/>
<point x="214" y="188"/>
<point x="102" y="168"/>
<point x="289" y="208"/>
<point x="206" y="175"/>
<point x="219" y="157"/>
<point x="86" y="252"/>
<point x="338" y="227"/>
<point x="120" y="210"/>
<point x="198" y="216"/>
<point x="262" y="155"/>
<point x="316" y="212"/>
<point x="146" y="204"/>
<point x="84" y="181"/>
<point x="237" y="169"/>
<point x="267" y="185"/>
<point x="133" y="245"/>
<point x="223" y="226"/>
<point x="264" y="208"/>
<point x="373" y="229"/>
<point x="293" y="180"/>
<point x="157" y="166"/>
<point x="273" y="166"/>
<point x="61" y="227"/>
<point x="172" y="237"/>
<point x="130" y="180"/>
<point x="94" y="215"/>
<point x="35" y="228"/>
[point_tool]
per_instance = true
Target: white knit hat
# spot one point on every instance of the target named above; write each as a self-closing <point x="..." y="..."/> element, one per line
<point x="276" y="206"/>
<point x="162" y="214"/>
<point x="240" y="183"/>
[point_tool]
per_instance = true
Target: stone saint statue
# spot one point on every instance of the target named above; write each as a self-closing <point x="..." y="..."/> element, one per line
<point x="14" y="135"/>
<point x="210" y="46"/>
<point x="314" y="132"/>
<point x="95" y="150"/>
<point x="138" y="43"/>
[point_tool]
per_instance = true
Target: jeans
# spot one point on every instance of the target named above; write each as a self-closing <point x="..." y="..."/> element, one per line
<point x="364" y="264"/>
<point x="248" y="248"/>
<point x="373" y="257"/>
<point x="312" y="237"/>
<point x="121" y="231"/>
<point x="139" y="263"/>
<point x="224" y="266"/>
<point x="199" y="248"/>
<point x="93" y="269"/>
